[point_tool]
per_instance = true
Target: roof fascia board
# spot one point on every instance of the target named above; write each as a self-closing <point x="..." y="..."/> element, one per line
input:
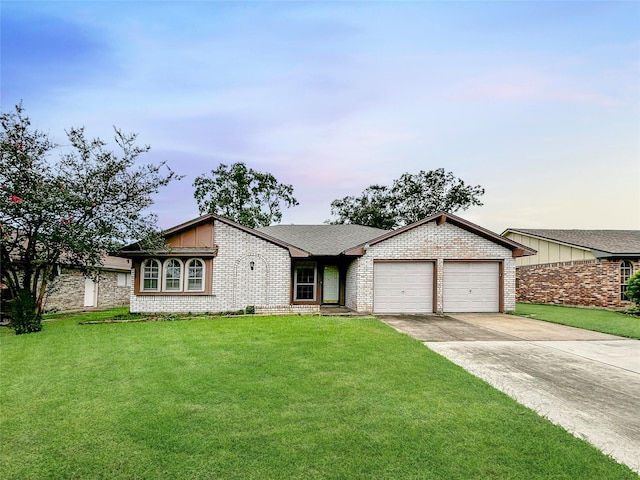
<point x="601" y="254"/>
<point x="177" y="252"/>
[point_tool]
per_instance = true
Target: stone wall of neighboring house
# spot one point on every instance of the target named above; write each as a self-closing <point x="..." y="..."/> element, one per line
<point x="234" y="284"/>
<point x="592" y="283"/>
<point x="439" y="243"/>
<point x="67" y="291"/>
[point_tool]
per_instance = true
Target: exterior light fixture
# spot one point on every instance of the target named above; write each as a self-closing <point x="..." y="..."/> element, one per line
<point x="252" y="264"/>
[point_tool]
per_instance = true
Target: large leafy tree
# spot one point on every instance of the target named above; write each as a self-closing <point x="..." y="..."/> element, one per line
<point x="242" y="194"/>
<point x="69" y="211"/>
<point x="411" y="198"/>
<point x="371" y="208"/>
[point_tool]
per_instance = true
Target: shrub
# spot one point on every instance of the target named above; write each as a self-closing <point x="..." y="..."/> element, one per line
<point x="25" y="318"/>
<point x="633" y="288"/>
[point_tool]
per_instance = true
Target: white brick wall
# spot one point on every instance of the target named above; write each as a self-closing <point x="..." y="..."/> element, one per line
<point x="234" y="285"/>
<point x="428" y="242"/>
<point x="351" y="285"/>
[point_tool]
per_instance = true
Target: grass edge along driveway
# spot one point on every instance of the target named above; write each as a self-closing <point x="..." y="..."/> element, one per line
<point x="596" y="319"/>
<point x="264" y="397"/>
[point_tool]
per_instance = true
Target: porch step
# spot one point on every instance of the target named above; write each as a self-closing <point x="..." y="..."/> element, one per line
<point x="337" y="310"/>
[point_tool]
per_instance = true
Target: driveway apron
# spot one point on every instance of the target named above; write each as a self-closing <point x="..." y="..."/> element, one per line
<point x="587" y="382"/>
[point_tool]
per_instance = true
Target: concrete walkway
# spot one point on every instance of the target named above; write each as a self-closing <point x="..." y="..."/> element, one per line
<point x="587" y="382"/>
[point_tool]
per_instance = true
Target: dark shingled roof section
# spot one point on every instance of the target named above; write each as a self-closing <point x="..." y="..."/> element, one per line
<point x="322" y="240"/>
<point x="609" y="241"/>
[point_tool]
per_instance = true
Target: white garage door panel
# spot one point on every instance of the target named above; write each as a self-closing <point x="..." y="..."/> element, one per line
<point x="471" y="287"/>
<point x="403" y="287"/>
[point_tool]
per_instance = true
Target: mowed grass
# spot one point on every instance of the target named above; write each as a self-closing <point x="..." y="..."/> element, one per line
<point x="264" y="398"/>
<point x="599" y="320"/>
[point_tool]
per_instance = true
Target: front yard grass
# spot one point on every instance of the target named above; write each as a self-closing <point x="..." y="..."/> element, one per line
<point x="599" y="320"/>
<point x="264" y="398"/>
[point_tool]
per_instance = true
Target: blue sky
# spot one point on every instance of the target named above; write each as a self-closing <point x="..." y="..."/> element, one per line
<point x="538" y="102"/>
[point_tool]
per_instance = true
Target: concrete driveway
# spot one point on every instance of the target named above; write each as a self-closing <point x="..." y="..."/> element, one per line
<point x="587" y="382"/>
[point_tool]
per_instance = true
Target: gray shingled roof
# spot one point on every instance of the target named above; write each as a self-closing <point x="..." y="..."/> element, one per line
<point x="323" y="239"/>
<point x="609" y="241"/>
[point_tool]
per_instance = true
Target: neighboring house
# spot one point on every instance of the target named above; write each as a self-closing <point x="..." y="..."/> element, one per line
<point x="71" y="290"/>
<point x="442" y="263"/>
<point x="576" y="267"/>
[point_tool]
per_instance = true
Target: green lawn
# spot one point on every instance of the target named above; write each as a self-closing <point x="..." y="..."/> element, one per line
<point x="595" y="319"/>
<point x="264" y="398"/>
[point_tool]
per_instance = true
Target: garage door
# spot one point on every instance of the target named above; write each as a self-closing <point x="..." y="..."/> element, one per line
<point x="471" y="287"/>
<point x="403" y="287"/>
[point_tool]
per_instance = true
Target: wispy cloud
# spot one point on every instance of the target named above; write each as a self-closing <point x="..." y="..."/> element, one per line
<point x="334" y="96"/>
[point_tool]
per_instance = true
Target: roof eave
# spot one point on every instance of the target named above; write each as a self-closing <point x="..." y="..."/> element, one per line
<point x="294" y="252"/>
<point x="601" y="254"/>
<point x="518" y="250"/>
<point x="547" y="239"/>
<point x="174" y="252"/>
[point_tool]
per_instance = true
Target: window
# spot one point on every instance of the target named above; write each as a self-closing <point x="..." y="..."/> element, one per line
<point x="305" y="281"/>
<point x="195" y="275"/>
<point x="124" y="279"/>
<point x="626" y="272"/>
<point x="150" y="275"/>
<point x="173" y="275"/>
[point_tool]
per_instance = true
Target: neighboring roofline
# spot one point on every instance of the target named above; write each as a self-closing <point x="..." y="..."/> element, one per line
<point x="295" y="252"/>
<point x="518" y="250"/>
<point x="601" y="254"/>
<point x="542" y="237"/>
<point x="594" y="251"/>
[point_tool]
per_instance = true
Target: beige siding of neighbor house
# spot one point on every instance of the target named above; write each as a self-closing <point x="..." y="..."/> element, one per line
<point x="430" y="242"/>
<point x="548" y="251"/>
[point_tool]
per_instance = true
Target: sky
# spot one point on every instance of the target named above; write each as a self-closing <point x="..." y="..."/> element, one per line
<point x="537" y="102"/>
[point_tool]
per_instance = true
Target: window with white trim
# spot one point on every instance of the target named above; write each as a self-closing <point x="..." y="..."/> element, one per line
<point x="305" y="282"/>
<point x="626" y="272"/>
<point x="195" y="275"/>
<point x="172" y="275"/>
<point x="150" y="275"/>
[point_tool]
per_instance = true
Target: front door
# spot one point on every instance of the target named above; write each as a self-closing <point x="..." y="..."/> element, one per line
<point x="331" y="285"/>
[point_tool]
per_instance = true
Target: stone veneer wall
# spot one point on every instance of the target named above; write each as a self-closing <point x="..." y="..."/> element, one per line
<point x="592" y="283"/>
<point x="66" y="292"/>
<point x="433" y="242"/>
<point x="234" y="285"/>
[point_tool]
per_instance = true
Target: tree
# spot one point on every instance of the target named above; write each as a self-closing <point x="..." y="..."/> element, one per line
<point x="242" y="194"/>
<point x="410" y="199"/>
<point x="372" y="208"/>
<point x="69" y="211"/>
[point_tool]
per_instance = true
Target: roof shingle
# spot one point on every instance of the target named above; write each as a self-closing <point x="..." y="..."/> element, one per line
<point x="320" y="240"/>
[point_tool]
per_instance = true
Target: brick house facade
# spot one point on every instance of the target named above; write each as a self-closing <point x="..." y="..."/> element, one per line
<point x="576" y="267"/>
<point x="592" y="283"/>
<point x="212" y="264"/>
